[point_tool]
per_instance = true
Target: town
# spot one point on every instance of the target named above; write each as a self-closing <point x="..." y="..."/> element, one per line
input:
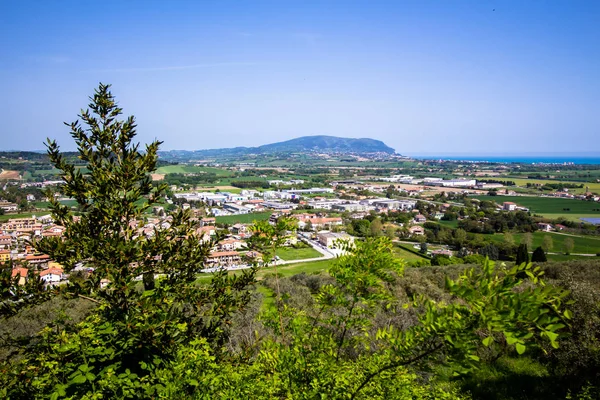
<point x="431" y="220"/>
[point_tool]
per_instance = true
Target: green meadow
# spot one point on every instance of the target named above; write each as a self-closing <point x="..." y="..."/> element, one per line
<point x="551" y="207"/>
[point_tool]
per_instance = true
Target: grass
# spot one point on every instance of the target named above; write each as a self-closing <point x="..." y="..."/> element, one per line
<point x="290" y="253"/>
<point x="293" y="269"/>
<point x="583" y="244"/>
<point x="406" y="255"/>
<point x="283" y="270"/>
<point x="449" y="224"/>
<point x="6" y="217"/>
<point x="45" y="204"/>
<point x="243" y="218"/>
<point x="550" y="206"/>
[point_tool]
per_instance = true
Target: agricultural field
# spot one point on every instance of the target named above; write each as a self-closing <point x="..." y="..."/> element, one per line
<point x="593" y="186"/>
<point x="190" y="169"/>
<point x="243" y="218"/>
<point x="290" y="253"/>
<point x="9" y="175"/>
<point x="583" y="244"/>
<point x="551" y="207"/>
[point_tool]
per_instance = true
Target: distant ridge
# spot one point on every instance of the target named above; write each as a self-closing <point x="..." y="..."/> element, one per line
<point x="320" y="144"/>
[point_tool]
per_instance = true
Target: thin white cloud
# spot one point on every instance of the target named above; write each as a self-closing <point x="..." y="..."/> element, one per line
<point x="177" y="67"/>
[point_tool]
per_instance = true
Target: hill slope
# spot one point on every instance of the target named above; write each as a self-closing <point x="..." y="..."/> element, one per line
<point x="321" y="144"/>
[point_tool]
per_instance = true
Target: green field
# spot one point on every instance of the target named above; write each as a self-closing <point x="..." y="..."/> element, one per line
<point x="406" y="255"/>
<point x="282" y="270"/>
<point x="243" y="218"/>
<point x="190" y="169"/>
<point x="6" y="217"/>
<point x="45" y="204"/>
<point x="449" y="224"/>
<point x="564" y="257"/>
<point x="290" y="253"/>
<point x="583" y="244"/>
<point x="552" y="207"/>
<point x="593" y="186"/>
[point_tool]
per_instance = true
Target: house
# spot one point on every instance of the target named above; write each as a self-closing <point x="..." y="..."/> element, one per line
<point x="420" y="218"/>
<point x="208" y="221"/>
<point x="8" y="207"/>
<point x="222" y="258"/>
<point x="230" y="244"/>
<point x="5" y="241"/>
<point x="442" y="252"/>
<point x="39" y="260"/>
<point x="21" y="273"/>
<point x="240" y="229"/>
<point x="4" y="256"/>
<point x="544" y="227"/>
<point x="559" y="227"/>
<point x="416" y="230"/>
<point x="329" y="239"/>
<point x="51" y="275"/>
<point x="205" y="232"/>
<point x="509" y="206"/>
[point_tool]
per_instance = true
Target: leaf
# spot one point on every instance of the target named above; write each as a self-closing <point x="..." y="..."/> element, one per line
<point x="511" y="339"/>
<point x="78" y="379"/>
<point x="488" y="341"/>
<point x="520" y="348"/>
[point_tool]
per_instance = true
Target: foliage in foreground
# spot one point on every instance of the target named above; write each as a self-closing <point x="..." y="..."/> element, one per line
<point x="168" y="338"/>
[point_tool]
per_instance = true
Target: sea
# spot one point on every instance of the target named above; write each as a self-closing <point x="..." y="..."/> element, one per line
<point x="595" y="221"/>
<point x="593" y="160"/>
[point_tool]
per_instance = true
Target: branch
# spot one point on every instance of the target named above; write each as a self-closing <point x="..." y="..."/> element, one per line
<point x="395" y="365"/>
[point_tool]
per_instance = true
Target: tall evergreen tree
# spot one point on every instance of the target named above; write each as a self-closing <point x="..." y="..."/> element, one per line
<point x="522" y="254"/>
<point x="539" y="255"/>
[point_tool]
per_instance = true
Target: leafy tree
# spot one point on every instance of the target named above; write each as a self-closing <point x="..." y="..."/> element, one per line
<point x="527" y="239"/>
<point x="490" y="251"/>
<point x="568" y="245"/>
<point x="376" y="228"/>
<point x="136" y="328"/>
<point x="547" y="243"/>
<point x="390" y="231"/>
<point x="308" y="226"/>
<point x="423" y="249"/>
<point x="538" y="255"/>
<point x="522" y="254"/>
<point x="509" y="239"/>
<point x="460" y="237"/>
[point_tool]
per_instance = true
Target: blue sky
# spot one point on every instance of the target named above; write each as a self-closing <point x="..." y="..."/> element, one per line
<point x="426" y="77"/>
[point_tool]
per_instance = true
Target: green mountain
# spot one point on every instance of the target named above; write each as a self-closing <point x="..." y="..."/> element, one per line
<point x="321" y="144"/>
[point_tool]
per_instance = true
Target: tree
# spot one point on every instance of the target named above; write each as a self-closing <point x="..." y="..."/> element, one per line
<point x="538" y="255"/>
<point x="522" y="254"/>
<point x="568" y="245"/>
<point x="527" y="239"/>
<point x="423" y="249"/>
<point x="308" y="226"/>
<point x="460" y="237"/>
<point x="509" y="240"/>
<point x="547" y="243"/>
<point x="134" y="326"/>
<point x="376" y="228"/>
<point x="490" y="251"/>
<point x="390" y="231"/>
